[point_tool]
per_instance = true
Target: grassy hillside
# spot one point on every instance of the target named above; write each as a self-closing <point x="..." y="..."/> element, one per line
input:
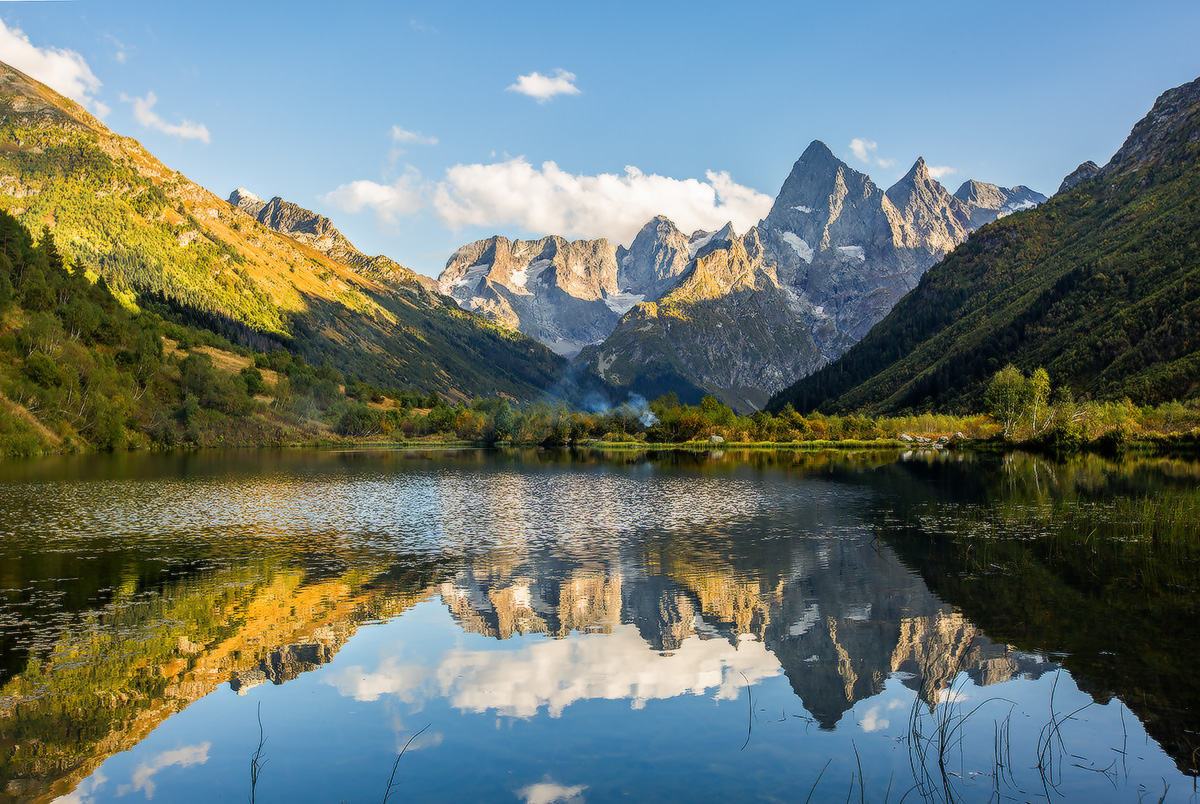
<point x="160" y="239"/>
<point x="1100" y="286"/>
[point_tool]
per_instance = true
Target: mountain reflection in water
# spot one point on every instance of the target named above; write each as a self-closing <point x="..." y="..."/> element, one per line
<point x="528" y="589"/>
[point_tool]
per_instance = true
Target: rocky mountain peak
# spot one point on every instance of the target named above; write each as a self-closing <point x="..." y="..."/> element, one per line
<point x="980" y="194"/>
<point x="318" y="232"/>
<point x="937" y="221"/>
<point x="1162" y="135"/>
<point x="1088" y="170"/>
<point x="658" y="254"/>
<point x="246" y="201"/>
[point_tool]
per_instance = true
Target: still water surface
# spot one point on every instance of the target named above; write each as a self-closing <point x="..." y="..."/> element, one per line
<point x="558" y="627"/>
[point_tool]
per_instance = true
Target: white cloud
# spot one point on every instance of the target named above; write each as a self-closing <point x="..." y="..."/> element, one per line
<point x="938" y="171"/>
<point x="550" y="792"/>
<point x="63" y="70"/>
<point x="143" y="112"/>
<point x="402" y="197"/>
<point x="403" y="136"/>
<point x="120" y="55"/>
<point x="545" y="87"/>
<point x="864" y="151"/>
<point x="551" y="200"/>
<point x="861" y="148"/>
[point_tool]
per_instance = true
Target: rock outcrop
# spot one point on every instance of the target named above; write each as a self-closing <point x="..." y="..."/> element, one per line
<point x="1088" y="170"/>
<point x="318" y="232"/>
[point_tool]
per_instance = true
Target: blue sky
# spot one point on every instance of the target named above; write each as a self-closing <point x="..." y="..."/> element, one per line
<point x="418" y="127"/>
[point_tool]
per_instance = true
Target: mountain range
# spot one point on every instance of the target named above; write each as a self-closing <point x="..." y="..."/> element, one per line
<point x="1100" y="286"/>
<point x="846" y="296"/>
<point x="735" y="316"/>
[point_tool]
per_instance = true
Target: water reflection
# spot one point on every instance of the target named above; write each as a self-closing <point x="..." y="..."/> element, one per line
<point x="524" y="589"/>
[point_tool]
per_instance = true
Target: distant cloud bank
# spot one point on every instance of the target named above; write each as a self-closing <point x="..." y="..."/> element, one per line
<point x="546" y="199"/>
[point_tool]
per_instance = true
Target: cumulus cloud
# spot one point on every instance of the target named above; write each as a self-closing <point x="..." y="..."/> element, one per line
<point x="544" y="87"/>
<point x="143" y="112"/>
<point x="864" y="151"/>
<point x="402" y="197"/>
<point x="938" y="171"/>
<point x="63" y="70"/>
<point x="549" y="199"/>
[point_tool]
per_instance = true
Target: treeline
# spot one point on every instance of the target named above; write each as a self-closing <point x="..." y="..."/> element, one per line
<point x="662" y="421"/>
<point x="1027" y="411"/>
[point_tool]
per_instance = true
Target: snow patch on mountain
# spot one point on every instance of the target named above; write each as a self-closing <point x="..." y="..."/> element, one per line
<point x="622" y="303"/>
<point x="803" y="250"/>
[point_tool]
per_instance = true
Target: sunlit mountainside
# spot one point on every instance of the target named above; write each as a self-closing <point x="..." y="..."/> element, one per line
<point x="157" y="237"/>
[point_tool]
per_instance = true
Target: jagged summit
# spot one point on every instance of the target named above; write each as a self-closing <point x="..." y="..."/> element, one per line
<point x="937" y="220"/>
<point x="247" y="201"/>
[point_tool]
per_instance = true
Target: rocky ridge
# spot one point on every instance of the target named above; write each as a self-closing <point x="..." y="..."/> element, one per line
<point x="988" y="202"/>
<point x="566" y="294"/>
<point x="318" y="232"/>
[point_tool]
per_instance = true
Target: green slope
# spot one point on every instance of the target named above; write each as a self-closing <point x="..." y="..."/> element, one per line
<point x="162" y="240"/>
<point x="1100" y="286"/>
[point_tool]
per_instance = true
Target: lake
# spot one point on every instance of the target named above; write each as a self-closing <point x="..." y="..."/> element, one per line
<point x="541" y="627"/>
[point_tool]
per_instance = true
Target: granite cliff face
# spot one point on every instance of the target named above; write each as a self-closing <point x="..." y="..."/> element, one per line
<point x="562" y="293"/>
<point x="318" y="232"/>
<point x="566" y="294"/>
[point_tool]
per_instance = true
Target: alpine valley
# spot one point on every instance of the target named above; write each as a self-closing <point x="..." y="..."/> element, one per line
<point x="809" y="305"/>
